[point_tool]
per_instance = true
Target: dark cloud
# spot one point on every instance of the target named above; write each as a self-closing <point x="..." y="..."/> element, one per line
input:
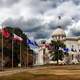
<point x="75" y="33"/>
<point x="8" y="3"/>
<point x="31" y="26"/>
<point x="52" y="25"/>
<point x="77" y="2"/>
<point x="41" y="35"/>
<point x="44" y="5"/>
<point x="64" y="22"/>
<point x="75" y="30"/>
<point x="11" y="2"/>
<point x="36" y="26"/>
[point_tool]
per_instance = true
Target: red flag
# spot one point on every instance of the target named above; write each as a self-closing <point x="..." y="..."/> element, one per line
<point x="46" y="45"/>
<point x="16" y="37"/>
<point x="5" y="33"/>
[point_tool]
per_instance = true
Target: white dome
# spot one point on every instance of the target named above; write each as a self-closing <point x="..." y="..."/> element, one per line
<point x="58" y="32"/>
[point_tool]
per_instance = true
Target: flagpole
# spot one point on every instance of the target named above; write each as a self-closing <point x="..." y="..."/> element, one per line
<point x="2" y="49"/>
<point x="27" y="53"/>
<point x="12" y="50"/>
<point x="20" y="55"/>
<point x="33" y="60"/>
<point x="26" y="60"/>
<point x="12" y="54"/>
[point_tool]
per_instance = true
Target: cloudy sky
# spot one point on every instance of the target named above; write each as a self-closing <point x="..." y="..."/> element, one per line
<point x="38" y="18"/>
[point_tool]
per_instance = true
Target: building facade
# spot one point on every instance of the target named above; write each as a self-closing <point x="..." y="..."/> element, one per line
<point x="72" y="43"/>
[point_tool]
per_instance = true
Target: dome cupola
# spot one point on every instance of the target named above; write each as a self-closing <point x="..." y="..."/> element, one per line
<point x="58" y="33"/>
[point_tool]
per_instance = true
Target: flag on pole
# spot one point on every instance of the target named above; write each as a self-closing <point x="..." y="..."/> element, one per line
<point x="65" y="50"/>
<point x="32" y="44"/>
<point x="35" y="43"/>
<point x="47" y="45"/>
<point x="5" y="33"/>
<point x="29" y="42"/>
<point x="17" y="38"/>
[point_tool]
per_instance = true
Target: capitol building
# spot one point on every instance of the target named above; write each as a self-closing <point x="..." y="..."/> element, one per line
<point x="72" y="43"/>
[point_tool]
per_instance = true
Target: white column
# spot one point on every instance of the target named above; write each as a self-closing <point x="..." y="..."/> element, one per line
<point x="39" y="57"/>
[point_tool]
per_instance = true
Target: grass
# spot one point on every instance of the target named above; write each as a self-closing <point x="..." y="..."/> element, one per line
<point x="49" y="73"/>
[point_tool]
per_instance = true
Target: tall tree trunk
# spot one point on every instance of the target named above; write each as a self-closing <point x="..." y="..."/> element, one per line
<point x="57" y="61"/>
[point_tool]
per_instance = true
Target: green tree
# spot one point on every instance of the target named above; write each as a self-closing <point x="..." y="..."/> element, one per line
<point x="16" y="44"/>
<point x="55" y="52"/>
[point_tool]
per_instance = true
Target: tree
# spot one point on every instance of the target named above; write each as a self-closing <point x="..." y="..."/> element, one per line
<point x="16" y="45"/>
<point x="55" y="52"/>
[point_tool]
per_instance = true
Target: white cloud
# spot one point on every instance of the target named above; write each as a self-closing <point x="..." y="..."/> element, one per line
<point x="23" y="12"/>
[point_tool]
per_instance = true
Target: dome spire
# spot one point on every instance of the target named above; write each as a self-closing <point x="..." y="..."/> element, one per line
<point x="59" y="17"/>
<point x="59" y="27"/>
